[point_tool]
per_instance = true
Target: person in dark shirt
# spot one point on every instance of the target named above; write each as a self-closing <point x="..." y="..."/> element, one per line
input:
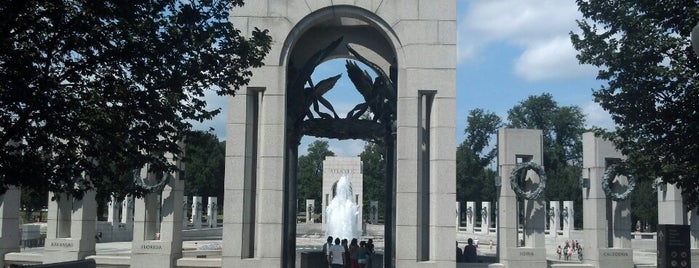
<point x="470" y="253"/>
<point x="459" y="253"/>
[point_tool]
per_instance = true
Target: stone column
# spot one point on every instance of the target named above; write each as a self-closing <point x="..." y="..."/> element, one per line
<point x="185" y="219"/>
<point x="148" y="248"/>
<point x="458" y="215"/>
<point x="9" y="223"/>
<point x="694" y="236"/>
<point x="470" y="216"/>
<point x="554" y="215"/>
<point x="127" y="207"/>
<point x="71" y="228"/>
<point x="517" y="146"/>
<point x="113" y="211"/>
<point x="485" y="217"/>
<point x="670" y="208"/>
<point x="310" y="208"/>
<point x="671" y="211"/>
<point x="374" y="212"/>
<point x="568" y="217"/>
<point x="211" y="212"/>
<point x="600" y="250"/>
<point x="196" y="212"/>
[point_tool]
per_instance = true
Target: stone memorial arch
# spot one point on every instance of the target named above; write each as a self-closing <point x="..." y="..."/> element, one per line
<point x="411" y="46"/>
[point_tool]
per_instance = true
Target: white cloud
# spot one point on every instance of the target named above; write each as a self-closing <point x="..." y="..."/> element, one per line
<point x="539" y="27"/>
<point x="597" y="117"/>
<point x="554" y="59"/>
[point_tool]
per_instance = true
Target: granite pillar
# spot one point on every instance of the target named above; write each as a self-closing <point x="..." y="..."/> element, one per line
<point x="197" y="208"/>
<point x="374" y="212"/>
<point x="458" y="215"/>
<point x="185" y="208"/>
<point x="554" y="215"/>
<point x="127" y="207"/>
<point x="211" y="212"/>
<point x="485" y="217"/>
<point x="568" y="217"/>
<point x="607" y="243"/>
<point x="470" y="216"/>
<point x="517" y="146"/>
<point x="159" y="246"/>
<point x="70" y="234"/>
<point x="9" y="222"/>
<point x="113" y="211"/>
<point x="310" y="210"/>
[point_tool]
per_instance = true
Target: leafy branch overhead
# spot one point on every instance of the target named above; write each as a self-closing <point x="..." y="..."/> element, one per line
<point x="94" y="89"/>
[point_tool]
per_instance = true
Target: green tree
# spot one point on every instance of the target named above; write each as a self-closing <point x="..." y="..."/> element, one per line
<point x="644" y="203"/>
<point x="652" y="92"/>
<point x="90" y="90"/>
<point x="205" y="158"/>
<point x="562" y="129"/>
<point x="474" y="181"/>
<point x="310" y="173"/>
<point x="374" y="171"/>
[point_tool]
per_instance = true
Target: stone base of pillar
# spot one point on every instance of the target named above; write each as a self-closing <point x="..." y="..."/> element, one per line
<point x="615" y="257"/>
<point x="67" y="249"/>
<point x="524" y="257"/>
<point x="694" y="255"/>
<point x="148" y="254"/>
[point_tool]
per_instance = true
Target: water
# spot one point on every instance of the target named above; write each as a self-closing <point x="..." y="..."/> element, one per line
<point x="342" y="212"/>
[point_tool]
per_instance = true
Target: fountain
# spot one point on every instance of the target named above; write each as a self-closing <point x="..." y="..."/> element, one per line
<point x="342" y="212"/>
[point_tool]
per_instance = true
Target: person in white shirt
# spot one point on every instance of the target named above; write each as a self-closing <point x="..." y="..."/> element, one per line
<point x="337" y="255"/>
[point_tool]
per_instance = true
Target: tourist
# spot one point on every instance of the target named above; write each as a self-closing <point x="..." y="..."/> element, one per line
<point x="370" y="250"/>
<point x="470" y="252"/>
<point x="354" y="253"/>
<point x="580" y="256"/>
<point x="326" y="250"/>
<point x="346" y="247"/>
<point x="459" y="253"/>
<point x="570" y="252"/>
<point x="337" y="255"/>
<point x="363" y="256"/>
<point x="558" y="251"/>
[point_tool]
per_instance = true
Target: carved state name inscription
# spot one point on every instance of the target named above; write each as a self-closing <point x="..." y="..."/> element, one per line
<point x="151" y="247"/>
<point x="61" y="244"/>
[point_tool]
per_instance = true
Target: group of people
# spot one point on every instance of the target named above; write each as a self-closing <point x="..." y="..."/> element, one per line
<point x="340" y="254"/>
<point x="469" y="254"/>
<point x="569" y="249"/>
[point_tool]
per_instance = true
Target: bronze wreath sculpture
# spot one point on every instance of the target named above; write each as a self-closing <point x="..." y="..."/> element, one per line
<point x="609" y="174"/>
<point x="519" y="174"/>
<point x="156" y="188"/>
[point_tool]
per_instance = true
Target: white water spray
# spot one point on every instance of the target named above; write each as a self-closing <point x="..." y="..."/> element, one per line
<point x="342" y="212"/>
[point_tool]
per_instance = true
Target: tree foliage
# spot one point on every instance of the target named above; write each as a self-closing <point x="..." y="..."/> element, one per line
<point x="205" y="158"/>
<point x="643" y="51"/>
<point x="90" y="90"/>
<point x="310" y="172"/>
<point x="474" y="181"/>
<point x="374" y="171"/>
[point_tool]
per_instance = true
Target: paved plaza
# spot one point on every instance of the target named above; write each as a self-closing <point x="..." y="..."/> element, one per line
<point x="311" y="238"/>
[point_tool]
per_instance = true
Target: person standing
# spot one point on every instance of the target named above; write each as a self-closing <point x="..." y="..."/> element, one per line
<point x="354" y="253"/>
<point x="370" y="251"/>
<point x="558" y="251"/>
<point x="363" y="256"/>
<point x="337" y="255"/>
<point x="326" y="249"/>
<point x="459" y="253"/>
<point x="470" y="252"/>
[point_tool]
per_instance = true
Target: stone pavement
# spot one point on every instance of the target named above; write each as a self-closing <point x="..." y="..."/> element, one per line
<point x="311" y="238"/>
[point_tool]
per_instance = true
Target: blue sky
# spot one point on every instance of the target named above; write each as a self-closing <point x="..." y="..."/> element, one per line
<point x="507" y="50"/>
